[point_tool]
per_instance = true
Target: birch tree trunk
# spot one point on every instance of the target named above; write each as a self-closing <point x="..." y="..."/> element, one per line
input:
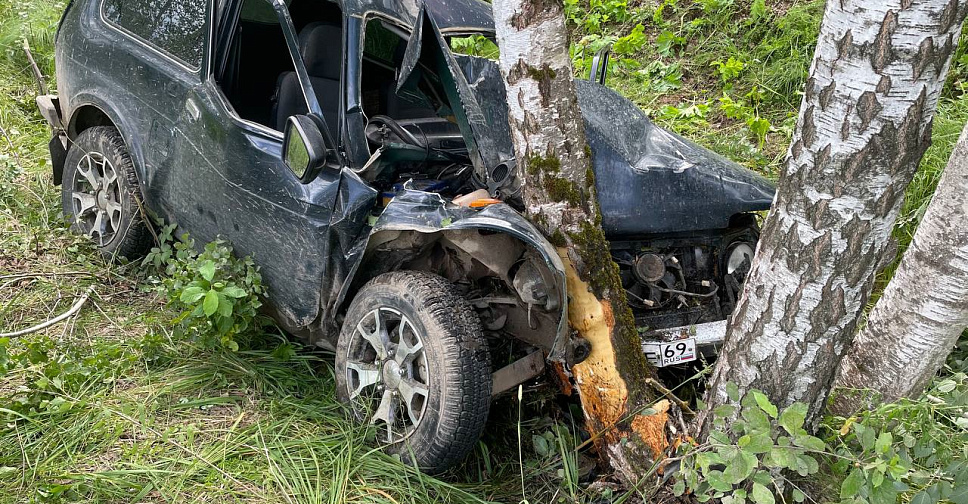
<point x="924" y="309"/>
<point x="864" y="123"/>
<point x="558" y="188"/>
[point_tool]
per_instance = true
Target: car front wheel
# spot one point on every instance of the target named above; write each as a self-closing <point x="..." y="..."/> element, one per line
<point x="99" y="194"/>
<point x="412" y="361"/>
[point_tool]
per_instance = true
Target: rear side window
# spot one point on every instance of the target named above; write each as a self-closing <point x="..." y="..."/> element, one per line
<point x="175" y="27"/>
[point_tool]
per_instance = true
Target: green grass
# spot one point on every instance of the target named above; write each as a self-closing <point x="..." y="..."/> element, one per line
<point x="111" y="407"/>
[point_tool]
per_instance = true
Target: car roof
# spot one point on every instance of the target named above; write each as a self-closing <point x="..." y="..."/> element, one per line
<point x="452" y="16"/>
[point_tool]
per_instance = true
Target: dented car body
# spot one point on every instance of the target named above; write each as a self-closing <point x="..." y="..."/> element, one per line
<point x="405" y="163"/>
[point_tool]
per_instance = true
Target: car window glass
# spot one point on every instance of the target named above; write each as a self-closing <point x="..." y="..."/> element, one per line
<point x="260" y="12"/>
<point x="176" y="27"/>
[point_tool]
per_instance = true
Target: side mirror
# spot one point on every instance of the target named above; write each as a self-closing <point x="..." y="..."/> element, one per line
<point x="304" y="148"/>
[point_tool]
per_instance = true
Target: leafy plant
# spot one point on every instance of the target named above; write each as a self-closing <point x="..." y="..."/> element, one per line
<point x="216" y="294"/>
<point x="662" y="77"/>
<point x="631" y="43"/>
<point x="667" y="41"/>
<point x="915" y="447"/>
<point x="730" y="69"/>
<point x="746" y="456"/>
<point x="475" y="45"/>
<point x="759" y="127"/>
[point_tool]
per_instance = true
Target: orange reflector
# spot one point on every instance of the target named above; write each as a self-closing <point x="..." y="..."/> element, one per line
<point x="483" y="202"/>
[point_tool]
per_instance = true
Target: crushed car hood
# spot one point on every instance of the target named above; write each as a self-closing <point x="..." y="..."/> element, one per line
<point x="649" y="180"/>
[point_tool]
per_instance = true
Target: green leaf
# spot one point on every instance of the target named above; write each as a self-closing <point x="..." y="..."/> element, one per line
<point x="211" y="303"/>
<point x="809" y="442"/>
<point x="191" y="295"/>
<point x="923" y="497"/>
<point x="947" y="385"/>
<point x="865" y="436"/>
<point x="798" y="496"/>
<point x="959" y="495"/>
<point x="732" y="391"/>
<point x="679" y="488"/>
<point x="884" y="442"/>
<point x="764" y="403"/>
<point x="852" y="483"/>
<point x="719" y="437"/>
<point x="207" y="270"/>
<point x="740" y="467"/>
<point x="717" y="481"/>
<point x="762" y="495"/>
<point x="541" y="445"/>
<point x="234" y="292"/>
<point x="225" y="306"/>
<point x="793" y="417"/>
<point x="757" y="418"/>
<point x="877" y="478"/>
<point x="781" y="457"/>
<point x="756" y="443"/>
<point x="724" y="411"/>
<point x="807" y="465"/>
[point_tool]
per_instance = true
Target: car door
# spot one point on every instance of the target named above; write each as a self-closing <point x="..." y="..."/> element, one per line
<point x="157" y="50"/>
<point x="234" y="184"/>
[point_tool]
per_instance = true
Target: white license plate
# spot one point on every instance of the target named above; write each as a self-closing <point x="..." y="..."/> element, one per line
<point x="670" y="353"/>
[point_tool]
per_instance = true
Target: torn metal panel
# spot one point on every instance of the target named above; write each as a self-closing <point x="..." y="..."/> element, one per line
<point x="426" y="213"/>
<point x="649" y="180"/>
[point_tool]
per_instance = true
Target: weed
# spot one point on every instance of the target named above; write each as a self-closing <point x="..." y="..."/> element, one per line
<point x="217" y="295"/>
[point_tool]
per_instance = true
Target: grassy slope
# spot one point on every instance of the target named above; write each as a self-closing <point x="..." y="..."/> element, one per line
<point x="111" y="409"/>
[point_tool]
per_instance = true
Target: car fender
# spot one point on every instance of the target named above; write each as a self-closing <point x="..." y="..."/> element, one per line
<point x="133" y="143"/>
<point x="424" y="212"/>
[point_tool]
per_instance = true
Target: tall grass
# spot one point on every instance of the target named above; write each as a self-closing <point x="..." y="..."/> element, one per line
<point x="110" y="407"/>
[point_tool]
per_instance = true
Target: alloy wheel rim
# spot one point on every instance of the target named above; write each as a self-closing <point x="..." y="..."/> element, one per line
<point x="96" y="197"/>
<point x="387" y="374"/>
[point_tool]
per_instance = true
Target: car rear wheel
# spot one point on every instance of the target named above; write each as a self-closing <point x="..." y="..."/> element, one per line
<point x="412" y="362"/>
<point x="99" y="194"/>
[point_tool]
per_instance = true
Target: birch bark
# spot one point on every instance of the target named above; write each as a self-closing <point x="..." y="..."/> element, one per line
<point x="558" y="189"/>
<point x="924" y="308"/>
<point x="864" y="123"/>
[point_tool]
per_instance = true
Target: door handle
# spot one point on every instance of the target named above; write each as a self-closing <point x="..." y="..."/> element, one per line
<point x="193" y="112"/>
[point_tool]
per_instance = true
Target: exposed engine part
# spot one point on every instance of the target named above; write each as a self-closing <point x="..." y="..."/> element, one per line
<point x="739" y="261"/>
<point x="739" y="255"/>
<point x="533" y="288"/>
<point x="649" y="268"/>
<point x="676" y="281"/>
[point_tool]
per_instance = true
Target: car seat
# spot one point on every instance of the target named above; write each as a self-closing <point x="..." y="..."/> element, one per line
<point x="321" y="48"/>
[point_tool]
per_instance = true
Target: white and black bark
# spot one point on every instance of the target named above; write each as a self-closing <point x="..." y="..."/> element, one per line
<point x="558" y="189"/>
<point x="864" y="123"/>
<point x="924" y="308"/>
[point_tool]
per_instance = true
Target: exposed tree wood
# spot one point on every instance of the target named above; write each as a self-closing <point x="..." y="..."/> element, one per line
<point x="558" y="189"/>
<point x="924" y="308"/>
<point x="864" y="124"/>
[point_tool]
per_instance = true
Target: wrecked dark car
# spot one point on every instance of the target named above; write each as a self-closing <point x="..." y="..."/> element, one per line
<point x="368" y="170"/>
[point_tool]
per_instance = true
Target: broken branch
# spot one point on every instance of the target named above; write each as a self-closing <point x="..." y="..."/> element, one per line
<point x="38" y="75"/>
<point x="63" y="316"/>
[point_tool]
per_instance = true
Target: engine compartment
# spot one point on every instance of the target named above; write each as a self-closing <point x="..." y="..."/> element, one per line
<point x="687" y="279"/>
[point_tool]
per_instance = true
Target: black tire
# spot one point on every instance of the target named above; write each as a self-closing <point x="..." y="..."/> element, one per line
<point x="100" y="151"/>
<point x="458" y="367"/>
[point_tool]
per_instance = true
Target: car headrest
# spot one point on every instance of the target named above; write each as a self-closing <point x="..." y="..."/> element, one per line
<point x="321" y="46"/>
